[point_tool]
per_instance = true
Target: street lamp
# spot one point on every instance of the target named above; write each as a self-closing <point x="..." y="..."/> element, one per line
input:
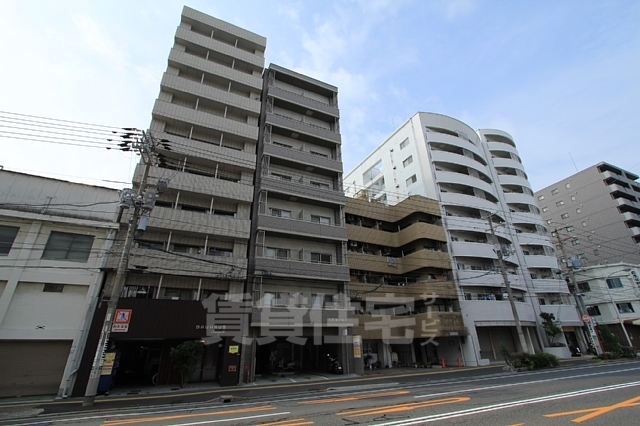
<point x="615" y="308"/>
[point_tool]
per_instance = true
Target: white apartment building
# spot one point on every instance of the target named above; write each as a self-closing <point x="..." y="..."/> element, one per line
<point x="55" y="237"/>
<point x="611" y="295"/>
<point x="476" y="175"/>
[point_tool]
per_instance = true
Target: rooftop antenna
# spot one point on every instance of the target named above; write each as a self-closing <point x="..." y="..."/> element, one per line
<point x="574" y="163"/>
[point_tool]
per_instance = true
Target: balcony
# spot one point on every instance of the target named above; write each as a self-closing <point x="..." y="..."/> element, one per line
<point x="527" y="218"/>
<point x="185" y="35"/>
<point x="483" y="278"/>
<point x="549" y="285"/>
<point x="514" y="180"/>
<point x="425" y="325"/>
<point x="165" y="110"/>
<point x="301" y="127"/>
<point x="202" y="64"/>
<point x="303" y="101"/>
<point x="470" y="249"/>
<point x="303" y="157"/>
<point x="205" y="185"/>
<point x="197" y="265"/>
<point x="458" y="159"/>
<point x="273" y="317"/>
<point x="178" y="84"/>
<point x="498" y="311"/>
<point x="502" y="146"/>
<point x="466" y="180"/>
<point x="567" y="314"/>
<point x="300" y="269"/>
<point x="436" y="288"/>
<point x="413" y="232"/>
<point x="433" y="137"/>
<point x="301" y="227"/>
<point x="301" y="190"/>
<point x="534" y="239"/>
<point x="399" y="265"/>
<point x="519" y="198"/>
<point x="199" y="223"/>
<point x="468" y="201"/>
<point x="541" y="261"/>
<point x="507" y="162"/>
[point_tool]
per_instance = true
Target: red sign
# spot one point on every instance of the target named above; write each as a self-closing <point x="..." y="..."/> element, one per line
<point x="122" y="316"/>
<point x="586" y="319"/>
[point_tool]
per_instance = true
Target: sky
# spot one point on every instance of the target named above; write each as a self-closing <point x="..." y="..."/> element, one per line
<point x="563" y="78"/>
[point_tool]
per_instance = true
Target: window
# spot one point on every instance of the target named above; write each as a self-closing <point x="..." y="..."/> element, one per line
<point x="321" y="219"/>
<point x="565" y="215"/>
<point x="578" y="210"/>
<point x="573" y="198"/>
<point x="568" y="185"/>
<point x="53" y="288"/>
<point x="625" y="308"/>
<point x="569" y="228"/>
<point x="575" y="242"/>
<point x="596" y="252"/>
<point x="183" y="248"/>
<point x="545" y="209"/>
<point x="554" y="234"/>
<point x="319" y="154"/>
<point x="320" y="258"/>
<point x="549" y="221"/>
<point x="321" y="185"/>
<point x="412" y="179"/>
<point x="559" y="203"/>
<point x="65" y="246"/>
<point x="407" y="161"/>
<point x="590" y="238"/>
<point x="584" y="287"/>
<point x="404" y="143"/>
<point x="276" y="253"/>
<point x="540" y="197"/>
<point x="614" y="283"/>
<point x="593" y="310"/>
<point x="555" y="191"/>
<point x="584" y="223"/>
<point x="218" y="251"/>
<point x="7" y="236"/>
<point x="280" y="213"/>
<point x="281" y="176"/>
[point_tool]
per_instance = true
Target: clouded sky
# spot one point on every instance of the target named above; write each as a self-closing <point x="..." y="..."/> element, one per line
<point x="563" y="78"/>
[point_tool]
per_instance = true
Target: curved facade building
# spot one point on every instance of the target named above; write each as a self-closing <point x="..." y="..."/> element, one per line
<point x="475" y="175"/>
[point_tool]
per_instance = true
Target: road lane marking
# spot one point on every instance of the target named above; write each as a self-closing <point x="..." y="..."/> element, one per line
<point x="501" y="406"/>
<point x="183" y="416"/>
<point x="290" y="422"/>
<point x="353" y="397"/>
<point x="231" y="420"/>
<point x="401" y="407"/>
<point x="598" y="411"/>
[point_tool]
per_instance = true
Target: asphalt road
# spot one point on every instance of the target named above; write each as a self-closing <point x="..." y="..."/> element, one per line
<point x="584" y="393"/>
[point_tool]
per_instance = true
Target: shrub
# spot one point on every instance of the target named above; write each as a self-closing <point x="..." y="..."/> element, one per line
<point x="525" y="361"/>
<point x="610" y="341"/>
<point x="543" y="360"/>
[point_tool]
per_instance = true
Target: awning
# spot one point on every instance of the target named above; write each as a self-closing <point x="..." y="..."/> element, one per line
<point x="632" y="321"/>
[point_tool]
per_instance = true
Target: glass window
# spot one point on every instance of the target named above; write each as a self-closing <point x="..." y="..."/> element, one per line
<point x="593" y="310"/>
<point x="412" y="179"/>
<point x="540" y="197"/>
<point x="7" y="237"/>
<point x="569" y="228"/>
<point x="573" y="198"/>
<point x="614" y="283"/>
<point x="65" y="246"/>
<point x="53" y="288"/>
<point x="545" y="209"/>
<point x="320" y="258"/>
<point x="559" y="203"/>
<point x="321" y="219"/>
<point x="596" y="252"/>
<point x="565" y="215"/>
<point x="568" y="185"/>
<point x="319" y="185"/>
<point x="555" y="191"/>
<point x="404" y="143"/>
<point x="625" y="308"/>
<point x="549" y="221"/>
<point x="575" y="242"/>
<point x="277" y="253"/>
<point x="407" y="161"/>
<point x="578" y="210"/>
<point x="280" y="213"/>
<point x="281" y="176"/>
<point x="584" y="223"/>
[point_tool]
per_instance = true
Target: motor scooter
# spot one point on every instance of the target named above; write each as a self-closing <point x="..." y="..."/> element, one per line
<point x="333" y="365"/>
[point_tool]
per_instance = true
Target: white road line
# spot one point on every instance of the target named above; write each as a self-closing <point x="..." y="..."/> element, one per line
<point x="431" y="395"/>
<point x="501" y="406"/>
<point x="231" y="420"/>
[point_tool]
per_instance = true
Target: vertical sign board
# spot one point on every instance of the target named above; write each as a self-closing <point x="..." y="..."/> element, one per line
<point x="357" y="346"/>
<point x="121" y="320"/>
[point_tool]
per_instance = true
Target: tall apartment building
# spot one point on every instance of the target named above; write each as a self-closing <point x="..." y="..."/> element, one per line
<point x="476" y="175"/>
<point x="596" y="212"/>
<point x="298" y="273"/>
<point x="55" y="237"/>
<point x="401" y="290"/>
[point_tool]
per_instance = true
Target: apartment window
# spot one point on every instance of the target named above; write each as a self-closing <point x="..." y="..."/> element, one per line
<point x="575" y="242"/>
<point x="596" y="252"/>
<point x="320" y="258"/>
<point x="186" y="249"/>
<point x="412" y="179"/>
<point x="549" y="221"/>
<point x="284" y="145"/>
<point x="407" y="161"/>
<point x="569" y="228"/>
<point x="65" y="246"/>
<point x="584" y="223"/>
<point x="578" y="210"/>
<point x="321" y="219"/>
<point x="590" y="238"/>
<point x="281" y="299"/>
<point x="545" y="209"/>
<point x="280" y="213"/>
<point x="277" y="253"/>
<point x="559" y="203"/>
<point x="554" y="191"/>
<point x="573" y="198"/>
<point x="222" y="252"/>
<point x="53" y="288"/>
<point x="625" y="308"/>
<point x="565" y="215"/>
<point x="568" y="185"/>
<point x="593" y="310"/>
<point x="614" y="283"/>
<point x="584" y="287"/>
<point x="540" y="197"/>
<point x="7" y="237"/>
<point x="281" y="176"/>
<point x="554" y="234"/>
<point x="404" y="143"/>
<point x="321" y="185"/>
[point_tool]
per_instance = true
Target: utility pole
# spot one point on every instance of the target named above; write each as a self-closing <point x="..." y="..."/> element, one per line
<point x="503" y="269"/>
<point x="591" y="332"/>
<point x="140" y="201"/>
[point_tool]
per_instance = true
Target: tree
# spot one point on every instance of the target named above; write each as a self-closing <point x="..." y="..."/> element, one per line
<point x="550" y="326"/>
<point x="184" y="357"/>
<point x="609" y="340"/>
